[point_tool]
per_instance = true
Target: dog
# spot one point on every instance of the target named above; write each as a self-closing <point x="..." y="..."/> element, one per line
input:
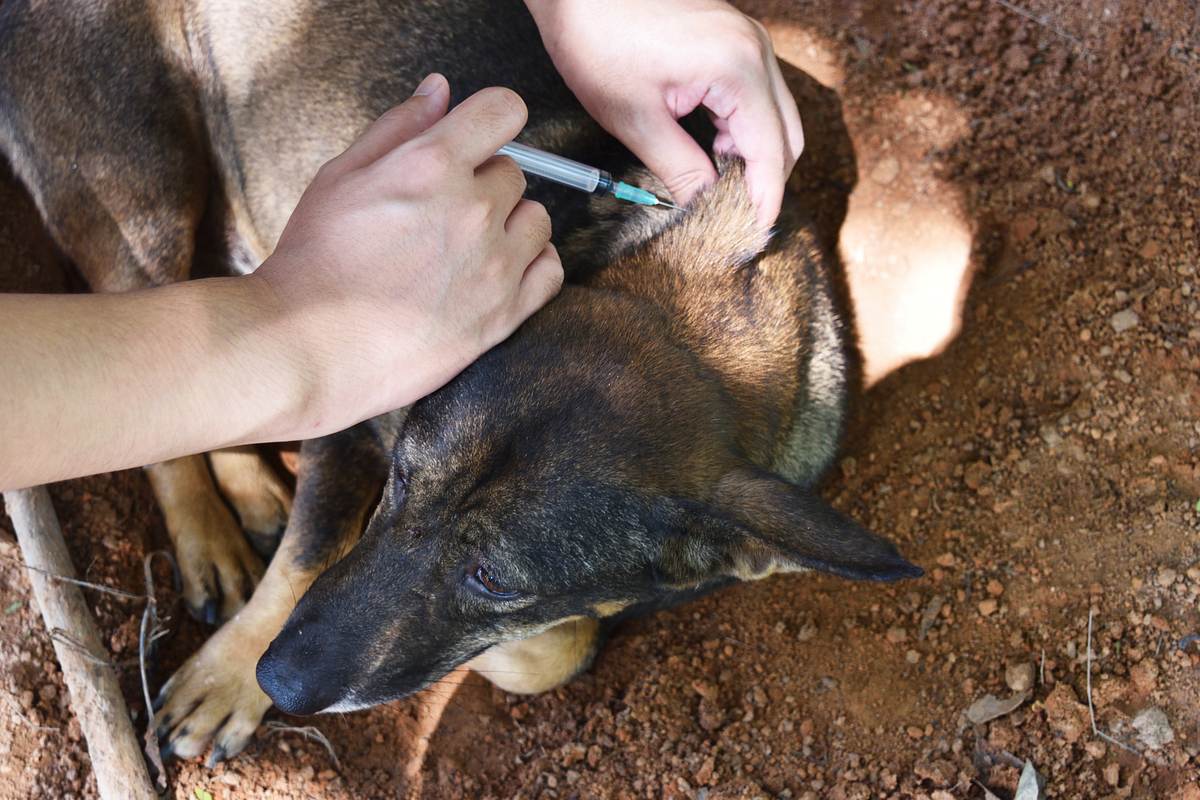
<point x="654" y="433"/>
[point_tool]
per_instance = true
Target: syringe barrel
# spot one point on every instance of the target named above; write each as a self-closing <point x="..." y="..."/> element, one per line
<point x="552" y="167"/>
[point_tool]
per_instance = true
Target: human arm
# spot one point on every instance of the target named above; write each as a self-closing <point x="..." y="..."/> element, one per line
<point x="407" y="257"/>
<point x="640" y="65"/>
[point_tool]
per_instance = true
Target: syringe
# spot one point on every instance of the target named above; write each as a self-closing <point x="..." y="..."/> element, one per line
<point x="576" y="175"/>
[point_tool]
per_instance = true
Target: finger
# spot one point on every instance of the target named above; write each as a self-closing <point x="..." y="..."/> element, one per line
<point x="528" y="231"/>
<point x="480" y="125"/>
<point x="756" y="130"/>
<point x="398" y="125"/>
<point x="786" y="102"/>
<point x="657" y="139"/>
<point x="503" y="182"/>
<point x="543" y="280"/>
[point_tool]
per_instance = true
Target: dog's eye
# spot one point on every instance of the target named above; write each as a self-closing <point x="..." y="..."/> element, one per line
<point x="485" y="577"/>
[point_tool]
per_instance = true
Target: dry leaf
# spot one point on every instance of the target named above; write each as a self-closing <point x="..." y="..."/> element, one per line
<point x="1027" y="787"/>
<point x="989" y="707"/>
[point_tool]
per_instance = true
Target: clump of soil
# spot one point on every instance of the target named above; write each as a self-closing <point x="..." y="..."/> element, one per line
<point x="1044" y="468"/>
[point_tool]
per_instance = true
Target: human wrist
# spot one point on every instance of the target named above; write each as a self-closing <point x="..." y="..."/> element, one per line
<point x="277" y="333"/>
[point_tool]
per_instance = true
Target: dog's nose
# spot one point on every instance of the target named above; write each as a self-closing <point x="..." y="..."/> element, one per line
<point x="292" y="679"/>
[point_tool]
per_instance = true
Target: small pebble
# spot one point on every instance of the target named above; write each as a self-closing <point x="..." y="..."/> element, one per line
<point x="1019" y="676"/>
<point x="1123" y="320"/>
<point x="988" y="607"/>
<point x="1153" y="728"/>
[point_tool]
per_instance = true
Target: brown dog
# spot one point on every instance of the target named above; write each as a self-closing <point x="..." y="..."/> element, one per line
<point x="652" y="434"/>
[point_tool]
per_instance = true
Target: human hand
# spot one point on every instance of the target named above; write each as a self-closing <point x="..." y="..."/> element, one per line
<point x="409" y="255"/>
<point x="639" y="66"/>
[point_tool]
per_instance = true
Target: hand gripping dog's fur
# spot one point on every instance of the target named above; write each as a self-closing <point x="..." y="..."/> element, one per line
<point x="652" y="434"/>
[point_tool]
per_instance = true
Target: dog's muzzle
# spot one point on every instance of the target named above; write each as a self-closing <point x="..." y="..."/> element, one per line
<point x="291" y="676"/>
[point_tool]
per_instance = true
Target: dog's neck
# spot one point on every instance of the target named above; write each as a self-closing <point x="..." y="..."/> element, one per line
<point x="717" y="230"/>
<point x="723" y="293"/>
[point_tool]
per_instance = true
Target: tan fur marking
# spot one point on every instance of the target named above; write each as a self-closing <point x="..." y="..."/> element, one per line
<point x="260" y="498"/>
<point x="610" y="607"/>
<point x="541" y="662"/>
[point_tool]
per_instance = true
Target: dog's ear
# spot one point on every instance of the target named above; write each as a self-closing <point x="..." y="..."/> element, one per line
<point x="757" y="523"/>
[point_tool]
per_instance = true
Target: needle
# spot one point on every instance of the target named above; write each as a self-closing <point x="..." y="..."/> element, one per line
<point x="579" y="176"/>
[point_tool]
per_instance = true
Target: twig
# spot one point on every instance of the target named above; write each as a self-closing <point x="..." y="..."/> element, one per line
<point x="62" y="637"/>
<point x="1092" y="711"/>
<point x="149" y="633"/>
<point x="310" y="733"/>
<point x="99" y="587"/>
<point x="1043" y="20"/>
<point x="93" y="689"/>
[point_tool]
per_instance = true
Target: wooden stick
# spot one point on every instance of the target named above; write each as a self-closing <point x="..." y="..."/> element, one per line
<point x="96" y="697"/>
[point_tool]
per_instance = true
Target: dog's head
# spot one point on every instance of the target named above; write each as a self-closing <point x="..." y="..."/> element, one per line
<point x="587" y="464"/>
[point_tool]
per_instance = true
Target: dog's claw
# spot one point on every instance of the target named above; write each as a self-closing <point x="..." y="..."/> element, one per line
<point x="216" y="756"/>
<point x="217" y="566"/>
<point x="214" y="699"/>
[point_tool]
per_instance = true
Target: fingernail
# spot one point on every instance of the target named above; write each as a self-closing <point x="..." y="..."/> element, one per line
<point x="428" y="86"/>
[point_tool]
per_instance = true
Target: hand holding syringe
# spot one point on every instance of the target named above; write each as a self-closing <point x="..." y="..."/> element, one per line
<point x="576" y="175"/>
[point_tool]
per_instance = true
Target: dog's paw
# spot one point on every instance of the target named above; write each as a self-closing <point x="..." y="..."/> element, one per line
<point x="262" y="501"/>
<point x="213" y="698"/>
<point x="217" y="566"/>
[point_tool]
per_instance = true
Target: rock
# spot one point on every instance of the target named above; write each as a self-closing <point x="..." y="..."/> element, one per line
<point x="1144" y="675"/>
<point x="975" y="474"/>
<point x="1166" y="577"/>
<point x="995" y="588"/>
<point x="1189" y="792"/>
<point x="711" y="715"/>
<point x="895" y="635"/>
<point x="930" y="615"/>
<point x="886" y="170"/>
<point x="939" y="772"/>
<point x="1022" y="227"/>
<point x="1016" y="58"/>
<point x="1019" y="676"/>
<point x="1112" y="774"/>
<point x="1050" y="435"/>
<point x="1124" y="320"/>
<point x="1065" y="715"/>
<point x="1153" y="728"/>
<point x="988" y="607"/>
<point x="704" y="774"/>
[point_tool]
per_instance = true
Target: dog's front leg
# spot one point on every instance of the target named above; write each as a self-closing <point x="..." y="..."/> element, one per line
<point x="214" y="697"/>
<point x="216" y="564"/>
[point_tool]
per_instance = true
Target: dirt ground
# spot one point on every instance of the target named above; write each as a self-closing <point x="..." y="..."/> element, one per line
<point x="1037" y="161"/>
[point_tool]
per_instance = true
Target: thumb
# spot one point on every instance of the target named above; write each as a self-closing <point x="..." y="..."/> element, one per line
<point x="397" y="125"/>
<point x="670" y="153"/>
